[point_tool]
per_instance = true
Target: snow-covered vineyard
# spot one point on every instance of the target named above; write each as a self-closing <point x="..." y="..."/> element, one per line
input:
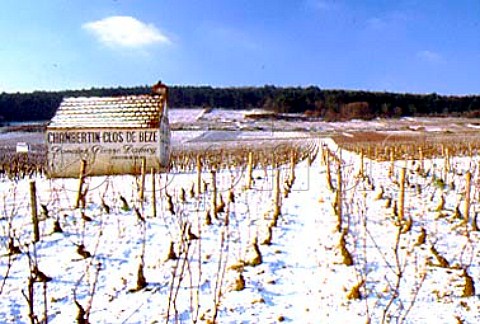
<point x="324" y="235"/>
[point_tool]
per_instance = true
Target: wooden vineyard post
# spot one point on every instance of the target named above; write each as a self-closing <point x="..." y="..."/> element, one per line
<point x="338" y="196"/>
<point x="81" y="179"/>
<point x="249" y="170"/>
<point x="447" y="163"/>
<point x="143" y="171"/>
<point x="310" y="155"/>
<point x="276" y="195"/>
<point x="392" y="162"/>
<point x="320" y="151"/>
<point x="33" y="203"/>
<point x="323" y="154"/>
<point x="420" y="157"/>
<point x="468" y="180"/>
<point x="213" y="201"/>
<point x="199" y="175"/>
<point x="401" y="196"/>
<point x="361" y="163"/>
<point x="327" y="163"/>
<point x="154" y="194"/>
<point x="292" y="166"/>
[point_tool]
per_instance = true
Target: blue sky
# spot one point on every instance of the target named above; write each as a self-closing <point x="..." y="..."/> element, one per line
<point x="419" y="46"/>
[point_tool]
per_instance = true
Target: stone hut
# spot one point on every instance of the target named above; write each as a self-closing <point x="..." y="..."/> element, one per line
<point x="112" y="135"/>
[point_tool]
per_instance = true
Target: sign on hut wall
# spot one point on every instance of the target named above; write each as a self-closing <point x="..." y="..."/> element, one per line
<point x="114" y="151"/>
<point x="112" y="135"/>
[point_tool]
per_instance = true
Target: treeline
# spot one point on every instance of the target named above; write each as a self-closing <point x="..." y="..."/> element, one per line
<point x="313" y="101"/>
<point x="42" y="105"/>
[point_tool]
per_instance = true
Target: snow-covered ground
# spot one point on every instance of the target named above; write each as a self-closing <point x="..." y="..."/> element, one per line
<point x="304" y="275"/>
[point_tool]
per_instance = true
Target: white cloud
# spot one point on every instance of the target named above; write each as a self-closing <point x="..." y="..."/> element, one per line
<point x="430" y="56"/>
<point x="125" y="31"/>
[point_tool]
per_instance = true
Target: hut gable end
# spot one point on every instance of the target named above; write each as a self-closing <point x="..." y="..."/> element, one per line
<point x="142" y="111"/>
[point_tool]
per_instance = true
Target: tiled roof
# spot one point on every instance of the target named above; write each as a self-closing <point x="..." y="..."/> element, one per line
<point x="142" y="111"/>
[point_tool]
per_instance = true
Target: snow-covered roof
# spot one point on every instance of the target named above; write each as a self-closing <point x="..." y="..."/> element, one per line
<point x="142" y="111"/>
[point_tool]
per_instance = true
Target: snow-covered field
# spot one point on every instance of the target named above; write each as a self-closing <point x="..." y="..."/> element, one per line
<point x="331" y="258"/>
